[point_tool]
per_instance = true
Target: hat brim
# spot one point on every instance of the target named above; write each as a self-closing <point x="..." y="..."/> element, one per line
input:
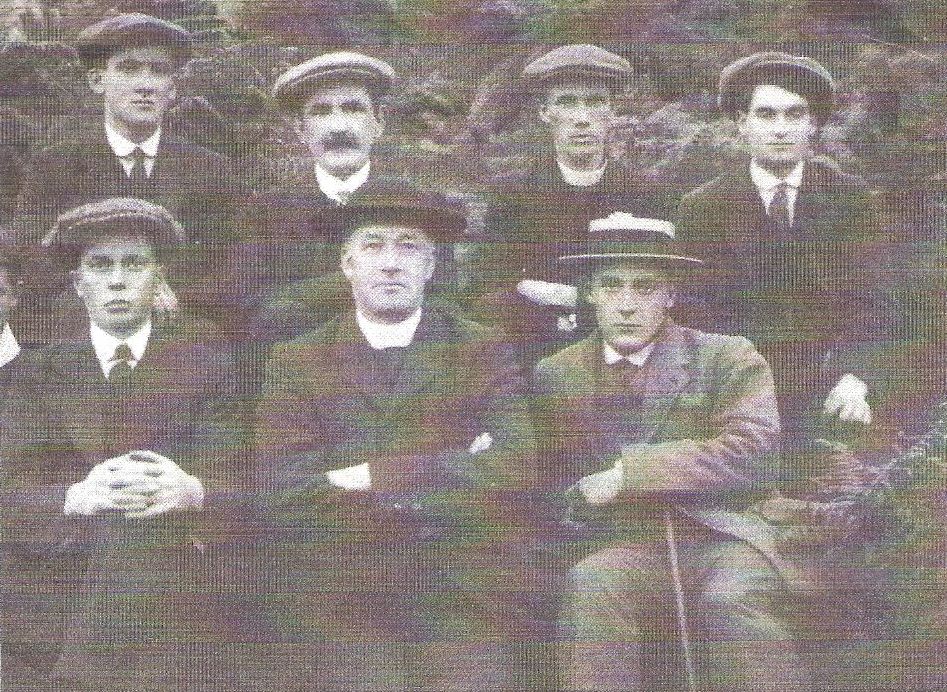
<point x="586" y="261"/>
<point x="801" y="79"/>
<point x="440" y="225"/>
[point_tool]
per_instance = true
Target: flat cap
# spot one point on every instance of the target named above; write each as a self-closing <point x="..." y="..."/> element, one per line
<point x="622" y="236"/>
<point x="77" y="228"/>
<point x="441" y="219"/>
<point x="578" y="60"/>
<point x="298" y="82"/>
<point x="131" y="30"/>
<point x="795" y="73"/>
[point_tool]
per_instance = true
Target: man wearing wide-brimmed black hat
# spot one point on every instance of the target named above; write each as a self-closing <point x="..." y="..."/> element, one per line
<point x="393" y="446"/>
<point x="119" y="443"/>
<point x="134" y="62"/>
<point x="795" y="244"/>
<point x="664" y="434"/>
<point x="575" y="90"/>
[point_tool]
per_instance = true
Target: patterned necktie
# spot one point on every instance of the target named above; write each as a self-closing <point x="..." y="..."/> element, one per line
<point x="138" y="173"/>
<point x="122" y="370"/>
<point x="779" y="210"/>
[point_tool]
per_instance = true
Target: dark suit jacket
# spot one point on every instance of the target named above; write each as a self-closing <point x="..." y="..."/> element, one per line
<point x="696" y="435"/>
<point x="815" y="291"/>
<point x="200" y="188"/>
<point x="133" y="577"/>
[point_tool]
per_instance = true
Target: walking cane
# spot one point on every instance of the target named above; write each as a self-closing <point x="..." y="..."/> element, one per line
<point x="679" y="601"/>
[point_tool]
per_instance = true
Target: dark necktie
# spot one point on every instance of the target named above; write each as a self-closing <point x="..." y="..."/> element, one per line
<point x="138" y="172"/>
<point x="779" y="210"/>
<point x="122" y="370"/>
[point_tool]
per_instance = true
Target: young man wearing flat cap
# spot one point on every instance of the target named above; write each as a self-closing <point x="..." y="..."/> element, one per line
<point x="791" y="238"/>
<point x="663" y="434"/>
<point x="119" y="445"/>
<point x="393" y="448"/>
<point x="335" y="102"/>
<point x="537" y="216"/>
<point x="133" y="63"/>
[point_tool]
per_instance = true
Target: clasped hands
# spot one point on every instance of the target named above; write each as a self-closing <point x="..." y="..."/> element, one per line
<point x="140" y="484"/>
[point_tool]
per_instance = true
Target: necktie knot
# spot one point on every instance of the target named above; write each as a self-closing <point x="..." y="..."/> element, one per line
<point x="138" y="159"/>
<point x="779" y="208"/>
<point x="122" y="363"/>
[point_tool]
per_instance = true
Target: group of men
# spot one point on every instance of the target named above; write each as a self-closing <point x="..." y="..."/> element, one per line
<point x="245" y="447"/>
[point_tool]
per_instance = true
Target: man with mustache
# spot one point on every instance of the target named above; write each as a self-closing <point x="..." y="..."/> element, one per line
<point x="119" y="448"/>
<point x="791" y="239"/>
<point x="133" y="65"/>
<point x="335" y="105"/>
<point x="535" y="217"/>
<point x="393" y="451"/>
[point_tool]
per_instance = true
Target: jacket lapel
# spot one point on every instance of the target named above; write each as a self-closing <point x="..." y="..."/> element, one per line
<point x="83" y="384"/>
<point x="662" y="379"/>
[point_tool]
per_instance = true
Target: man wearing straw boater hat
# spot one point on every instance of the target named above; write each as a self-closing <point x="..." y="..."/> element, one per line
<point x="663" y="433"/>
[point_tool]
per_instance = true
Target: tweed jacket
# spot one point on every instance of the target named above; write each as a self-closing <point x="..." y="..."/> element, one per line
<point x="696" y="436"/>
<point x="818" y="285"/>
<point x="59" y="422"/>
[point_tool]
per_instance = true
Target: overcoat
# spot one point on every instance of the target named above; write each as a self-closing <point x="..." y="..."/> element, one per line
<point x="123" y="596"/>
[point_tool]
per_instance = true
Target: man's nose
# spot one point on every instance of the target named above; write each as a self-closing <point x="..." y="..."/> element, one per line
<point x="117" y="278"/>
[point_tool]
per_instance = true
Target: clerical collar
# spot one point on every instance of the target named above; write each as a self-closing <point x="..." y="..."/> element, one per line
<point x="340" y="189"/>
<point x="105" y="345"/>
<point x="9" y="348"/>
<point x="765" y="180"/>
<point x="123" y="147"/>
<point x="381" y="336"/>
<point x="579" y="178"/>
<point x="639" y="357"/>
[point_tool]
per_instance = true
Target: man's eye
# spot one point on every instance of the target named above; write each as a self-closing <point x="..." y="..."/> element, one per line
<point x="353" y="107"/>
<point x="319" y="110"/>
<point x="797" y="113"/>
<point x="372" y="246"/>
<point x="645" y="286"/>
<point x="129" y="66"/>
<point x="162" y="69"/>
<point x="767" y="113"/>
<point x="135" y="263"/>
<point x="566" y="101"/>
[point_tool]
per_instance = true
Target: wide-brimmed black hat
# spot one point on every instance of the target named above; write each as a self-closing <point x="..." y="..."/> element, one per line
<point x="299" y="82"/>
<point x="623" y="237"/>
<point x="132" y="30"/>
<point x="76" y="229"/>
<point x="443" y="220"/>
<point x="795" y="73"/>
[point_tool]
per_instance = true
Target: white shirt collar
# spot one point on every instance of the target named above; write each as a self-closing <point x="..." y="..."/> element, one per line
<point x="9" y="348"/>
<point x="338" y="189"/>
<point x="639" y="357"/>
<point x="580" y="178"/>
<point x="764" y="180"/>
<point x="382" y="336"/>
<point x="122" y="146"/>
<point x="105" y="345"/>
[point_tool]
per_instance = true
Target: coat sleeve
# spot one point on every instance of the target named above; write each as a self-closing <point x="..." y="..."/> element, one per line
<point x="741" y="429"/>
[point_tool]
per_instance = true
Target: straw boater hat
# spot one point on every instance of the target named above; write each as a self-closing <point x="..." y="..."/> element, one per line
<point x="299" y="82"/>
<point x="579" y="60"/>
<point x="621" y="237"/>
<point x="795" y="73"/>
<point x="133" y="30"/>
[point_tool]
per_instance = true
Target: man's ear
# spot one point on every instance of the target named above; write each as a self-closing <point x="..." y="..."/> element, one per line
<point x="544" y="113"/>
<point x="94" y="78"/>
<point x="76" y="279"/>
<point x="346" y="264"/>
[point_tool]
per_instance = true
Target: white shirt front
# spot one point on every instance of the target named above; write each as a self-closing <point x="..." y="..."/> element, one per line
<point x="340" y="189"/>
<point x="105" y="345"/>
<point x="123" y="148"/>
<point x="638" y="358"/>
<point x="9" y="348"/>
<point x="766" y="183"/>
<point x="578" y="178"/>
<point x="381" y="336"/>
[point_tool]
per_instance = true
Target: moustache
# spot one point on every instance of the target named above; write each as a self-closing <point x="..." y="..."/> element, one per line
<point x="340" y="141"/>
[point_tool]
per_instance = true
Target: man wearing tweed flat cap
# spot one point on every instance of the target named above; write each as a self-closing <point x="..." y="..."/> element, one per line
<point x="335" y="104"/>
<point x="121" y="443"/>
<point x="534" y="218"/>
<point x="792" y="238"/>
<point x="661" y="435"/>
<point x="133" y="65"/>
